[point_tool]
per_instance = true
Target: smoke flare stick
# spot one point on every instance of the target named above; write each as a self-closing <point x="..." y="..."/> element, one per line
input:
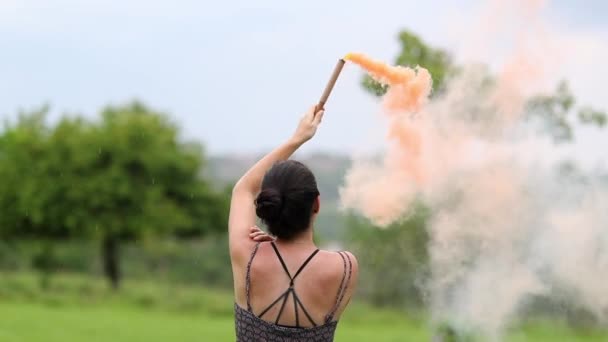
<point x="331" y="83"/>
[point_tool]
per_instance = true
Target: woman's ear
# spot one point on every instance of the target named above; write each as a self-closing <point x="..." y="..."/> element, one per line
<point x="316" y="205"/>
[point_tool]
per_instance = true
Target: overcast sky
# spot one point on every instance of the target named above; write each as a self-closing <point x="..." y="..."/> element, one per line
<point x="238" y="74"/>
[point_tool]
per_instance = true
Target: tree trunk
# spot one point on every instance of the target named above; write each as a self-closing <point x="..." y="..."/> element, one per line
<point x="45" y="263"/>
<point x="109" y="254"/>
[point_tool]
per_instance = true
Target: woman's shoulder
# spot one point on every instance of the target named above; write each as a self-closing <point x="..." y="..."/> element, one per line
<point x="339" y="264"/>
<point x="340" y="255"/>
<point x="342" y="270"/>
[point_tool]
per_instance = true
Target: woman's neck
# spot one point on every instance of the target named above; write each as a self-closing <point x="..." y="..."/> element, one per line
<point x="303" y="239"/>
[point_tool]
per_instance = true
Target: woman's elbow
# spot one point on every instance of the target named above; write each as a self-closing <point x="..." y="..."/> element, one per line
<point x="241" y="187"/>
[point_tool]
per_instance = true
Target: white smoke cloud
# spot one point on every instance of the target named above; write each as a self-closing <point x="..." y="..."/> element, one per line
<point x="508" y="226"/>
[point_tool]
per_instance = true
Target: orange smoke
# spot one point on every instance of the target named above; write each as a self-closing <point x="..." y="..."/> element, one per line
<point x="408" y="88"/>
<point x="383" y="72"/>
<point x="383" y="194"/>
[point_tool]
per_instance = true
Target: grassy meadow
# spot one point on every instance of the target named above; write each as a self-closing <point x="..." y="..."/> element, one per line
<point x="77" y="308"/>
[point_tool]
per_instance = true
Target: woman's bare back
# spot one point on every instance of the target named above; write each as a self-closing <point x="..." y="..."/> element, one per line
<point x="320" y="291"/>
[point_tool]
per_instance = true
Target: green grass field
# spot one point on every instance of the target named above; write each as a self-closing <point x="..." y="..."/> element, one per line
<point x="81" y="309"/>
<point x="28" y="322"/>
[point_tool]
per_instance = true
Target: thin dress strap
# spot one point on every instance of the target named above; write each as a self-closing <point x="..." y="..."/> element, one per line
<point x="343" y="286"/>
<point x="281" y="260"/>
<point x="248" y="275"/>
<point x="285" y="296"/>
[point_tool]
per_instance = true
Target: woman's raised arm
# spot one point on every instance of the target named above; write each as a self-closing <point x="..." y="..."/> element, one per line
<point x="242" y="209"/>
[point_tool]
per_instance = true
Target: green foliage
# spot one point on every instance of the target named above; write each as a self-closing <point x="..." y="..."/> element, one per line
<point x="415" y="52"/>
<point x="45" y="263"/>
<point x="555" y="112"/>
<point x="393" y="261"/>
<point x="189" y="262"/>
<point x="588" y="115"/>
<point x="135" y="176"/>
<point x="69" y="290"/>
<point x="22" y="146"/>
<point x="177" y="261"/>
<point x="124" y="176"/>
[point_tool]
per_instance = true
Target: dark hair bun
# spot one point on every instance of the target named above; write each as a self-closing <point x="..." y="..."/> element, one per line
<point x="269" y="205"/>
<point x="286" y="201"/>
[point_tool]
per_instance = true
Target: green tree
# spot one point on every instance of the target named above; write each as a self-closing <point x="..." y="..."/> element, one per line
<point x="23" y="148"/>
<point x="556" y="111"/>
<point x="393" y="260"/>
<point x="416" y="52"/>
<point x="123" y="177"/>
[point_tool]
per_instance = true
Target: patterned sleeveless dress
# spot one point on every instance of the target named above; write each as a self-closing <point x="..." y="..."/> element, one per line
<point x="252" y="328"/>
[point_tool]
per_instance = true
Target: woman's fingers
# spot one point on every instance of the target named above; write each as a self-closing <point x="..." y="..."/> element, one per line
<point x="263" y="238"/>
<point x="255" y="229"/>
<point x="318" y="117"/>
<point x="310" y="114"/>
<point x="256" y="234"/>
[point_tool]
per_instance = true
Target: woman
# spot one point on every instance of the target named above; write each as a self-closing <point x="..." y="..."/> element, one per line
<point x="286" y="289"/>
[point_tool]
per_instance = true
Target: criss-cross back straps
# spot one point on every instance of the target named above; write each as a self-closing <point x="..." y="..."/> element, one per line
<point x="346" y="276"/>
<point x="290" y="291"/>
<point x="348" y="270"/>
<point x="291" y="279"/>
